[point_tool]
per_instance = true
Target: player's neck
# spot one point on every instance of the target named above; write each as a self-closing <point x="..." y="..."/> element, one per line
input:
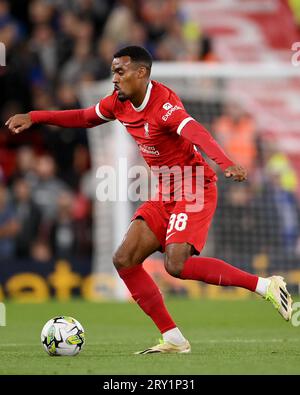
<point x="140" y="96"/>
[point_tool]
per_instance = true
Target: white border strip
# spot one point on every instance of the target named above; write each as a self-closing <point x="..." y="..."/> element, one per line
<point x="97" y="109"/>
<point x="183" y="123"/>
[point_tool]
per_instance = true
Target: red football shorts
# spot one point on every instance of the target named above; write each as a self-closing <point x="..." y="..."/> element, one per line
<point x="172" y="223"/>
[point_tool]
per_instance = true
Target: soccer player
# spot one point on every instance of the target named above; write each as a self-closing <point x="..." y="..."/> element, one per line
<point x="165" y="134"/>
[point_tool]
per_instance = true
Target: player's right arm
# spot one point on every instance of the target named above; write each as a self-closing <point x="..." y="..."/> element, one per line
<point x="83" y="118"/>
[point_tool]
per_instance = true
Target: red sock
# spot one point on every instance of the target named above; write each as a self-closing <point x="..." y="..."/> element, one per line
<point x="217" y="272"/>
<point x="147" y="295"/>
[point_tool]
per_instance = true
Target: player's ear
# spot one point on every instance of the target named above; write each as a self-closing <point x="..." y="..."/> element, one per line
<point x="142" y="72"/>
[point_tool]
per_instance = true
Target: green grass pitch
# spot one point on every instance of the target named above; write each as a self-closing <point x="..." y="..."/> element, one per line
<point x="227" y="337"/>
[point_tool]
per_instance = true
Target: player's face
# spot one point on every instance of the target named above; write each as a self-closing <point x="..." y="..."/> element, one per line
<point x="126" y="77"/>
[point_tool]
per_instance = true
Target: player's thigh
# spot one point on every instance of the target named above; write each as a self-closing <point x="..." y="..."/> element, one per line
<point x="138" y="243"/>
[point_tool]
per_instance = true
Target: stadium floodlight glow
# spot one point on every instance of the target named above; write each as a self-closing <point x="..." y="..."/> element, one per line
<point x="2" y="54"/>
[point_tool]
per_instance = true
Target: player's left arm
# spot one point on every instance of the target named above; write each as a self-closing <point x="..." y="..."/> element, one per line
<point x="199" y="136"/>
<point x="173" y="118"/>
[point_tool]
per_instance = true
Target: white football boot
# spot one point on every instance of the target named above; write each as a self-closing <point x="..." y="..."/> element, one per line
<point x="280" y="297"/>
<point x="167" y="348"/>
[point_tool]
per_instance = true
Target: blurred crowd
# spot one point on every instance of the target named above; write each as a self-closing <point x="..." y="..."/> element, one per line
<point x="41" y="215"/>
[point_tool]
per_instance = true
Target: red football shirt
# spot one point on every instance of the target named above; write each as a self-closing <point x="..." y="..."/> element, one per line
<point x="156" y="126"/>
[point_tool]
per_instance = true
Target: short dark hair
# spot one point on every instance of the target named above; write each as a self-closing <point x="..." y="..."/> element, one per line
<point x="137" y="55"/>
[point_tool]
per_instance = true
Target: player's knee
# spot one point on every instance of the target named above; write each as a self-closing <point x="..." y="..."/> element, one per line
<point x="121" y="260"/>
<point x="176" y="255"/>
<point x="174" y="266"/>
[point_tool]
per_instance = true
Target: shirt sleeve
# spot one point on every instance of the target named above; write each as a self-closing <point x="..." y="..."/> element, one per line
<point x="83" y="118"/>
<point x="105" y="108"/>
<point x="174" y="118"/>
<point x="198" y="135"/>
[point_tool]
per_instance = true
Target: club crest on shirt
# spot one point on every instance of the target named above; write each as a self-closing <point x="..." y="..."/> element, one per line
<point x="146" y="128"/>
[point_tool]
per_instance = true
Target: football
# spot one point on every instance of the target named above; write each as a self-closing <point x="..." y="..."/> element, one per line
<point x="63" y="336"/>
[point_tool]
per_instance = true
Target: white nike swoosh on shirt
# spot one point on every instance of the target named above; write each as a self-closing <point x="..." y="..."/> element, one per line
<point x="171" y="234"/>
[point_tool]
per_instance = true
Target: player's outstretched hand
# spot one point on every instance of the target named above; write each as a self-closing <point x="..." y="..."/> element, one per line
<point x="18" y="123"/>
<point x="239" y="173"/>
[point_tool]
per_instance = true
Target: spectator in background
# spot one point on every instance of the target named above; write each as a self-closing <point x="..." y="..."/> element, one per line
<point x="205" y="50"/>
<point x="235" y="225"/>
<point x="63" y="233"/>
<point x="81" y="63"/>
<point x="106" y="47"/>
<point x="172" y="45"/>
<point x="157" y="16"/>
<point x="277" y="203"/>
<point x="9" y="226"/>
<point x="40" y="251"/>
<point x="85" y="30"/>
<point x="268" y="236"/>
<point x="138" y="36"/>
<point x="286" y="204"/>
<point x="10" y="28"/>
<point x="42" y="96"/>
<point x="46" y="190"/>
<point x="28" y="216"/>
<point x="40" y="12"/>
<point x="68" y="23"/>
<point x="69" y="237"/>
<point x="62" y="145"/>
<point x="236" y="132"/>
<point x="43" y="46"/>
<point x="66" y="96"/>
<point x="279" y="165"/>
<point x="119" y="22"/>
<point x="95" y="10"/>
<point x="25" y="165"/>
<point x="13" y="79"/>
<point x="80" y="165"/>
